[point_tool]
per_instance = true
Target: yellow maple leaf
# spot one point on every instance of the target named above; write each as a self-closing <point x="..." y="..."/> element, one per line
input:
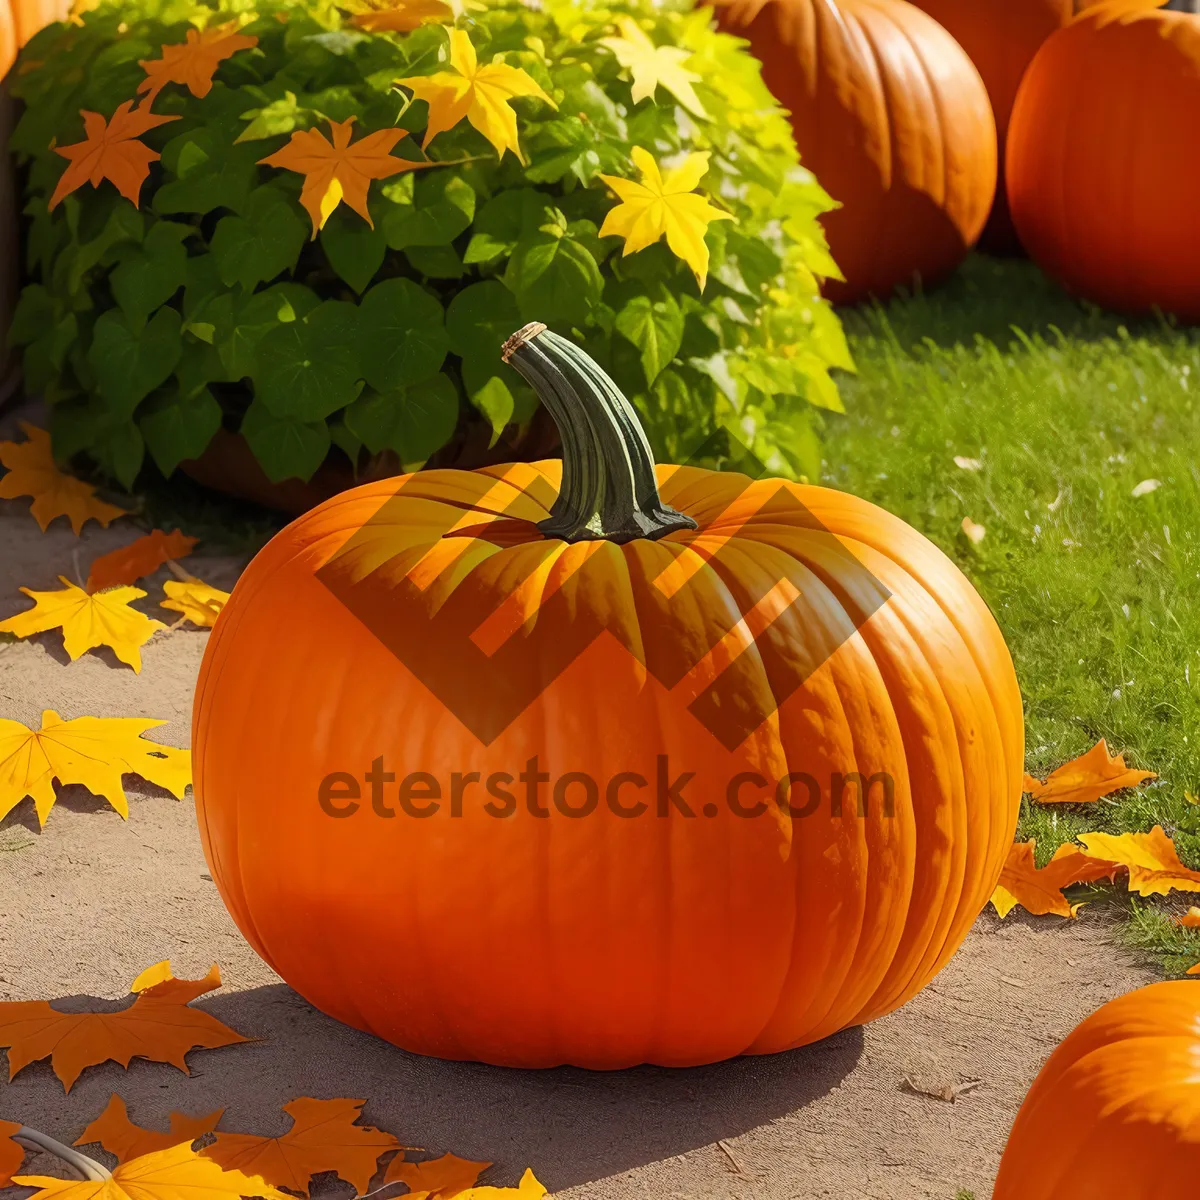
<point x="324" y="1137"/>
<point x="113" y="1129"/>
<point x="654" y="66"/>
<point x="93" y="751"/>
<point x="482" y="95"/>
<point x="177" y="1173"/>
<point x="32" y="471"/>
<point x="530" y="1188"/>
<point x="88" y="620"/>
<point x="400" y="16"/>
<point x="1087" y="778"/>
<point x="200" y="603"/>
<point x="664" y="204"/>
<point x="1039" y="890"/>
<point x="1154" y="866"/>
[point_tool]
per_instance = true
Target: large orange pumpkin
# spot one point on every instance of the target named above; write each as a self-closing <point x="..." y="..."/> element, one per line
<point x="893" y="119"/>
<point x="1116" y="1109"/>
<point x="813" y="681"/>
<point x="1001" y="37"/>
<point x="1104" y="158"/>
<point x="21" y="19"/>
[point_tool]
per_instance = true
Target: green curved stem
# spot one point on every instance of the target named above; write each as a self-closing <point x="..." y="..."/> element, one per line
<point x="608" y="486"/>
<point x="88" y="1168"/>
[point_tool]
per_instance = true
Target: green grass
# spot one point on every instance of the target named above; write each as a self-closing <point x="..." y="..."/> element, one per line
<point x="1098" y="592"/>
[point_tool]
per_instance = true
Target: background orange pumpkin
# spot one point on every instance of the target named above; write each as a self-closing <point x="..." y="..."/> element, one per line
<point x="21" y="19"/>
<point x="1104" y="159"/>
<point x="604" y="941"/>
<point x="893" y="119"/>
<point x="1116" y="1109"/>
<point x="1001" y="37"/>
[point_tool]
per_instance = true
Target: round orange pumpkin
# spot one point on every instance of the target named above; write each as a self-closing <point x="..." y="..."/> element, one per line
<point x="21" y="19"/>
<point x="1104" y="159"/>
<point x="893" y="119"/>
<point x="820" y="710"/>
<point x="1001" y="37"/>
<point x="1116" y="1109"/>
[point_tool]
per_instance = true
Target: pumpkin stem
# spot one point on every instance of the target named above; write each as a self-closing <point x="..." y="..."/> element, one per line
<point x="86" y="1168"/>
<point x="608" y="486"/>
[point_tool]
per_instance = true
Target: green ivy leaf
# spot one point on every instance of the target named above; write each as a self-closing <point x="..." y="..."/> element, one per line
<point x="436" y="262"/>
<point x="554" y="280"/>
<point x="503" y="221"/>
<point x="480" y="319"/>
<point x="285" y="447"/>
<point x="276" y="117"/>
<point x="205" y="172"/>
<point x="307" y="370"/>
<point x="129" y="364"/>
<point x="355" y="250"/>
<point x="496" y="402"/>
<point x="443" y="206"/>
<point x="261" y="244"/>
<point x="150" y="276"/>
<point x="413" y="421"/>
<point x="401" y="335"/>
<point x="655" y="327"/>
<point x="243" y="321"/>
<point x="179" y="427"/>
<point x="34" y="311"/>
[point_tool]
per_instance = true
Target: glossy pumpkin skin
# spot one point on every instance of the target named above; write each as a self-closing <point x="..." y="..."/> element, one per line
<point x="1116" y="1109"/>
<point x="605" y="942"/>
<point x="20" y="20"/>
<point x="1104" y="159"/>
<point x="1001" y="37"/>
<point x="893" y="119"/>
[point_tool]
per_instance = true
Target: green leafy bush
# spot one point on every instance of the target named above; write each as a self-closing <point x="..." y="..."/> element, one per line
<point x="148" y="328"/>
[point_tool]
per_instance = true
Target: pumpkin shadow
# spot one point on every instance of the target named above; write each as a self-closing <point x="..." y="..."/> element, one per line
<point x="571" y="1125"/>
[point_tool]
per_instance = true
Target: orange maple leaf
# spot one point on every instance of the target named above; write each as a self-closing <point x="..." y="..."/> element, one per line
<point x="110" y="150"/>
<point x="1039" y="891"/>
<point x="121" y="1137"/>
<point x="32" y="471"/>
<point x="323" y="1137"/>
<point x="158" y="1026"/>
<point x="1194" y="970"/>
<point x="1153" y="864"/>
<point x="336" y="171"/>
<point x="1190" y="919"/>
<point x="402" y="16"/>
<point x="138" y="559"/>
<point x="436" y="1177"/>
<point x="12" y="1154"/>
<point x="194" y="62"/>
<point x="1086" y="778"/>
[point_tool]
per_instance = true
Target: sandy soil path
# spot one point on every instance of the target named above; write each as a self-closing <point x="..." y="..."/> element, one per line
<point x="89" y="902"/>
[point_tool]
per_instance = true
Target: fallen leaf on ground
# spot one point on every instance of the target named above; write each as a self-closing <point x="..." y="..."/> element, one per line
<point x="88" y="621"/>
<point x="113" y="1130"/>
<point x="1087" y="778"/>
<point x="652" y="67"/>
<point x="200" y="603"/>
<point x="93" y="751"/>
<point x="401" y="16"/>
<point x="664" y="205"/>
<point x="436" y="1177"/>
<point x="138" y="559"/>
<point x="172" y="1174"/>
<point x="482" y="95"/>
<point x="158" y="1026"/>
<point x="12" y="1155"/>
<point x="949" y="1092"/>
<point x="1154" y="866"/>
<point x="193" y="63"/>
<point x="1194" y="970"/>
<point x="32" y="471"/>
<point x="974" y="531"/>
<point x="528" y="1189"/>
<point x="110" y="150"/>
<point x="1190" y="919"/>
<point x="323" y="1137"/>
<point x="1039" y="891"/>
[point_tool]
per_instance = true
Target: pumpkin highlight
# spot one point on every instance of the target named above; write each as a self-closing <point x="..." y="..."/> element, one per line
<point x="604" y="762"/>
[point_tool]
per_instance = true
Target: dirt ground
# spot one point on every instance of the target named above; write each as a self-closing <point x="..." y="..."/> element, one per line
<point x="92" y="900"/>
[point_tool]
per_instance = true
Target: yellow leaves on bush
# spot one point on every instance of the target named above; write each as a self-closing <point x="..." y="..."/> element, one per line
<point x="664" y="205"/>
<point x="199" y="602"/>
<point x="1040" y="890"/>
<point x="88" y="621"/>
<point x="11" y="1153"/>
<point x="1087" y="778"/>
<point x="340" y="170"/>
<point x="140" y="558"/>
<point x="654" y="66"/>
<point x="92" y="751"/>
<point x="177" y="1173"/>
<point x="158" y="1026"/>
<point x="399" y="16"/>
<point x="482" y="95"/>
<point x="113" y="1130"/>
<point x="32" y="471"/>
<point x="193" y="62"/>
<point x="436" y="1177"/>
<point x="1153" y="865"/>
<point x="110" y="150"/>
<point x="323" y="1137"/>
